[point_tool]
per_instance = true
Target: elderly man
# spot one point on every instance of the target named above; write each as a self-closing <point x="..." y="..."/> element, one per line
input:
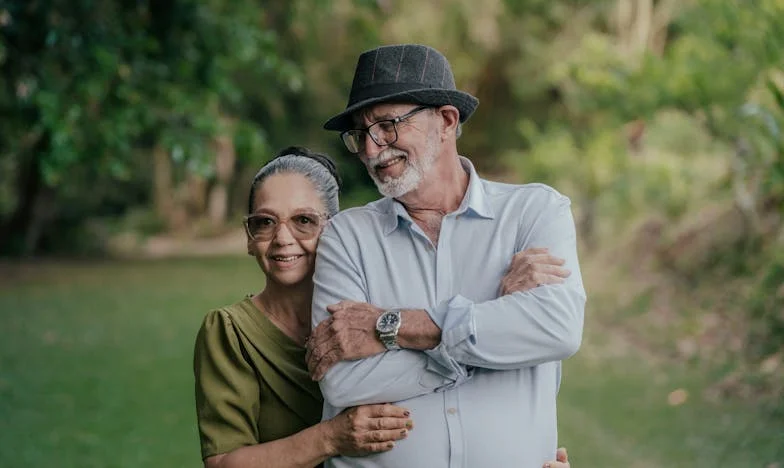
<point x="443" y="296"/>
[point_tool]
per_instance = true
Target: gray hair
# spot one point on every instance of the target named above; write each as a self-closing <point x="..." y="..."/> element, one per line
<point x="318" y="168"/>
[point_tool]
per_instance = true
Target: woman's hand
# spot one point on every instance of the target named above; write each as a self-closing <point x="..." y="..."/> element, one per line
<point x="561" y="460"/>
<point x="532" y="268"/>
<point x="362" y="430"/>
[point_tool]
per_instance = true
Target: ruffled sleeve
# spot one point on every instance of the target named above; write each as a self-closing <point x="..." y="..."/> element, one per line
<point x="227" y="389"/>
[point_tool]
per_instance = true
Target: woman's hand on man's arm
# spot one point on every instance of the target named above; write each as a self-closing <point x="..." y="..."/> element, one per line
<point x="355" y="432"/>
<point x="362" y="430"/>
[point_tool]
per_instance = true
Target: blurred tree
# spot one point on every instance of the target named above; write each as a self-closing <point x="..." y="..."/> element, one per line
<point x="616" y="66"/>
<point x="91" y="87"/>
<point x="125" y="103"/>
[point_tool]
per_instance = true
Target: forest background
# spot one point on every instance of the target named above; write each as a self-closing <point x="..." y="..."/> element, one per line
<point x="131" y="128"/>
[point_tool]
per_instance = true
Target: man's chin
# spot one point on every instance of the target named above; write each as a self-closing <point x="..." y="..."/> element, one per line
<point x="393" y="191"/>
<point x="395" y="187"/>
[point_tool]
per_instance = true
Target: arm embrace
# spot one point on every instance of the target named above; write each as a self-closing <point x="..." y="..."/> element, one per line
<point x="227" y="398"/>
<point x="523" y="328"/>
<point x="388" y="376"/>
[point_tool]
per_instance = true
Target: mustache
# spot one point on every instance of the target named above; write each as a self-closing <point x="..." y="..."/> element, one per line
<point x="387" y="155"/>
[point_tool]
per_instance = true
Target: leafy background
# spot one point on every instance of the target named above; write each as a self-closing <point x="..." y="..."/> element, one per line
<point x="130" y="129"/>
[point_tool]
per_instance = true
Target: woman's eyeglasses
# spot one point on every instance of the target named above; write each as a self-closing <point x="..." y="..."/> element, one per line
<point x="303" y="226"/>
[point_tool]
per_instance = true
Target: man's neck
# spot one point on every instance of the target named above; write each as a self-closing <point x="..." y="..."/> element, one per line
<point x="440" y="191"/>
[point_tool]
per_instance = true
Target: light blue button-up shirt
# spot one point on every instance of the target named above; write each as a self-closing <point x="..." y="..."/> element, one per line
<point x="486" y="396"/>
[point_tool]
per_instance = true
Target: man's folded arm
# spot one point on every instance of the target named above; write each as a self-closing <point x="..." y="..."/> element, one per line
<point x="521" y="329"/>
<point x="386" y="377"/>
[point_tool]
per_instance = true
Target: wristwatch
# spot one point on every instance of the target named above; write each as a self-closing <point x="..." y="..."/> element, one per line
<point x="387" y="326"/>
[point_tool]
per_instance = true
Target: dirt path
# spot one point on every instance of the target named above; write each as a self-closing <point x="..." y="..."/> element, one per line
<point x="168" y="246"/>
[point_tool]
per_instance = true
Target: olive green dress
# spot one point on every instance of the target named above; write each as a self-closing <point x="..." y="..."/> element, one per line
<point x="252" y="385"/>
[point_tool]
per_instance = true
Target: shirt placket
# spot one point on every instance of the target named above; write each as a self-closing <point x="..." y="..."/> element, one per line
<point x="444" y="291"/>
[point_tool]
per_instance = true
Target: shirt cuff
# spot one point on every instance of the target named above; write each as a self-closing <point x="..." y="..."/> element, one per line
<point x="456" y="319"/>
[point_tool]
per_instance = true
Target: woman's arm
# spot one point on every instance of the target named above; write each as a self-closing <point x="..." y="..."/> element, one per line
<point x="355" y="432"/>
<point x="227" y="398"/>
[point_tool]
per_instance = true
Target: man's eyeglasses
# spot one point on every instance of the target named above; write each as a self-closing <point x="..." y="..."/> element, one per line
<point x="303" y="226"/>
<point x="383" y="132"/>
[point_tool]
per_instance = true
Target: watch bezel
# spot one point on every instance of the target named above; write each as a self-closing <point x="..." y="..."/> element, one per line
<point x="388" y="335"/>
<point x="382" y="325"/>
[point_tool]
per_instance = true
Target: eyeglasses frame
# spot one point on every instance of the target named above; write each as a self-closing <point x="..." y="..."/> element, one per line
<point x="323" y="217"/>
<point x="393" y="121"/>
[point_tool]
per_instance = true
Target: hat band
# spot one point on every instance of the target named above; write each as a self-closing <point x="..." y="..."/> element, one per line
<point x="380" y="90"/>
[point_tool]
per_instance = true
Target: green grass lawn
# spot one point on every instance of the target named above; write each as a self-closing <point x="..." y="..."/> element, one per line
<point x="614" y="412"/>
<point x="95" y="371"/>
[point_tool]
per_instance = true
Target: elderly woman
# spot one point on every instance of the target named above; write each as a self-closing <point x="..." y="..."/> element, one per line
<point x="255" y="402"/>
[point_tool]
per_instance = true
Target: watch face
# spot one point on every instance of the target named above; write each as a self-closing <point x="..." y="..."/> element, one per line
<point x="388" y="322"/>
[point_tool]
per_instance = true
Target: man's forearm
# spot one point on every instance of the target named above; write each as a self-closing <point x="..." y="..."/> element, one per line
<point x="418" y="331"/>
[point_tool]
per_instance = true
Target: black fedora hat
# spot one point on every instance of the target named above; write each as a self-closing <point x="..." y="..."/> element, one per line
<point x="402" y="73"/>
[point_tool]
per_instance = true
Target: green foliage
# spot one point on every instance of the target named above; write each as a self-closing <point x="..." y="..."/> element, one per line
<point x="104" y="83"/>
<point x="767" y="311"/>
<point x="94" y="85"/>
<point x="611" y="87"/>
<point x="766" y="135"/>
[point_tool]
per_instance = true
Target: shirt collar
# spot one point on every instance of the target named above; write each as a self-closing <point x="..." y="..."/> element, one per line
<point x="474" y="202"/>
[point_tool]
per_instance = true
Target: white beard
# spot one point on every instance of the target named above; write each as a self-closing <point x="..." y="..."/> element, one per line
<point x="412" y="175"/>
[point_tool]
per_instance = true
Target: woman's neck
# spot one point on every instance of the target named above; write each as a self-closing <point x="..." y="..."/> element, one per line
<point x="289" y="307"/>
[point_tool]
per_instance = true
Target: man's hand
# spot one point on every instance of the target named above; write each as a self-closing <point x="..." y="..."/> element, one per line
<point x="532" y="268"/>
<point x="561" y="460"/>
<point x="349" y="333"/>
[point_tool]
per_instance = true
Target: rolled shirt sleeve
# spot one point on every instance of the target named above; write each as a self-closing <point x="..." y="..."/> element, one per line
<point x="521" y="329"/>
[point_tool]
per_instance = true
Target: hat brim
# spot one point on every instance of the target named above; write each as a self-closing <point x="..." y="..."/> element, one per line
<point x="464" y="102"/>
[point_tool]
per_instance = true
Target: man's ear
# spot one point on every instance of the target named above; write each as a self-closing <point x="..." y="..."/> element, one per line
<point x="450" y="118"/>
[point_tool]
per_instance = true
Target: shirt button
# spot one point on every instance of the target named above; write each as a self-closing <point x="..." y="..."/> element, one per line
<point x="452" y="411"/>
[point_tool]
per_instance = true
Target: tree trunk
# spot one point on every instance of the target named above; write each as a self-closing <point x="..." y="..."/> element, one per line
<point x="16" y="235"/>
<point x="163" y="193"/>
<point x="587" y="224"/>
<point x="642" y="26"/>
<point x="225" y="161"/>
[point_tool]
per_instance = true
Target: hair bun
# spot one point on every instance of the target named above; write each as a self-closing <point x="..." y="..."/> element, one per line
<point x="321" y="158"/>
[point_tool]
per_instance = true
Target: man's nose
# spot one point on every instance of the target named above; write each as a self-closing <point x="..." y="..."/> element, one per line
<point x="371" y="149"/>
